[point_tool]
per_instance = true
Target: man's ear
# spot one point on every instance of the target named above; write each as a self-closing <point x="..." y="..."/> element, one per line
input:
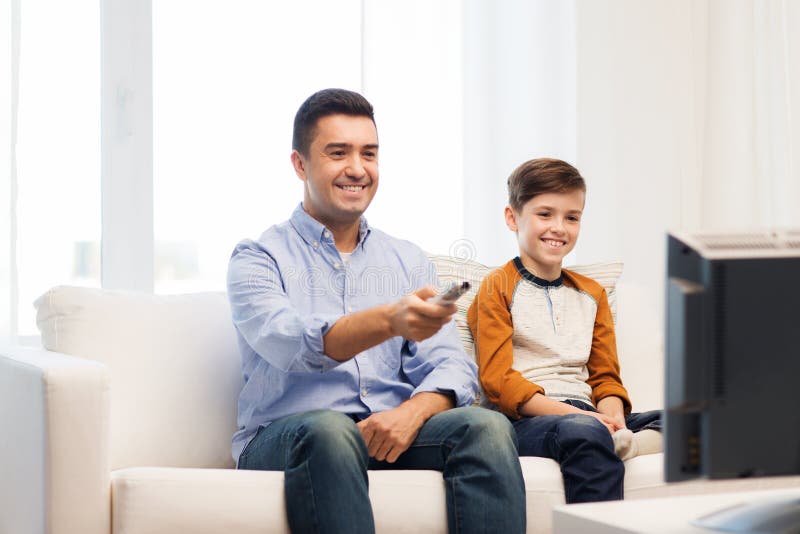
<point x="299" y="164"/>
<point x="511" y="219"/>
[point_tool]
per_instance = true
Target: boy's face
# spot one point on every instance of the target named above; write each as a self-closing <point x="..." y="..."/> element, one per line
<point x="341" y="169"/>
<point x="547" y="229"/>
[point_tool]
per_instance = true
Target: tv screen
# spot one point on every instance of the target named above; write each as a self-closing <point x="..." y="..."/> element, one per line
<point x="732" y="406"/>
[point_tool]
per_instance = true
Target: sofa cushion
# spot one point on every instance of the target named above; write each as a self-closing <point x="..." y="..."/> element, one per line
<point x="173" y="365"/>
<point x="167" y="500"/>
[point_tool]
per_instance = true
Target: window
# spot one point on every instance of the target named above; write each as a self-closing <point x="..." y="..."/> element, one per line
<point x="58" y="151"/>
<point x="227" y="78"/>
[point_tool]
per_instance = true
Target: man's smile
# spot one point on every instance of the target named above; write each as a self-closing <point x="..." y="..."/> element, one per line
<point x="354" y="188"/>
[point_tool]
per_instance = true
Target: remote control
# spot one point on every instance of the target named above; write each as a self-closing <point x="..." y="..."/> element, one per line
<point x="451" y="294"/>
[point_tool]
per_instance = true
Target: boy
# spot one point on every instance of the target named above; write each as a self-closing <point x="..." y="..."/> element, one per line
<point x="545" y="343"/>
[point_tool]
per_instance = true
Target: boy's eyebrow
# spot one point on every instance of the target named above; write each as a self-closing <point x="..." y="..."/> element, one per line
<point x="546" y="207"/>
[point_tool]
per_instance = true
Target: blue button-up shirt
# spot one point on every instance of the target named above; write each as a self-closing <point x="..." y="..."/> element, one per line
<point x="289" y="287"/>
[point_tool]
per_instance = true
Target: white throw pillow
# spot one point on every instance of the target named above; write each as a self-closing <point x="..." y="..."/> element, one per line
<point x="174" y="367"/>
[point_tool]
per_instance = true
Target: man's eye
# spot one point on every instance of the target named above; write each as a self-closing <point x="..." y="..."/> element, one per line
<point x="370" y="155"/>
<point x="337" y="153"/>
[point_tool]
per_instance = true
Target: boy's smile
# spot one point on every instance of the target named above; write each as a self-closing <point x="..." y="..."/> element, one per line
<point x="547" y="229"/>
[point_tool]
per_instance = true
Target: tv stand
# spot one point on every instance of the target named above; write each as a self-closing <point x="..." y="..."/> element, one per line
<point x="662" y="516"/>
<point x="773" y="515"/>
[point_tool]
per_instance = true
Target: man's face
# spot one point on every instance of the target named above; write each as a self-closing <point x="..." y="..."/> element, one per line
<point x="547" y="229"/>
<point x="340" y="170"/>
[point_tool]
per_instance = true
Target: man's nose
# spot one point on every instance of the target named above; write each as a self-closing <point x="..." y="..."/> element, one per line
<point x="355" y="167"/>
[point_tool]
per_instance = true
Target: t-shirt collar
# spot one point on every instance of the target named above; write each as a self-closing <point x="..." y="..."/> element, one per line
<point x="527" y="275"/>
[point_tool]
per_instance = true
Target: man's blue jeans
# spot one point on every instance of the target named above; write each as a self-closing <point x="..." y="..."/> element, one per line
<point x="325" y="462"/>
<point x="583" y="448"/>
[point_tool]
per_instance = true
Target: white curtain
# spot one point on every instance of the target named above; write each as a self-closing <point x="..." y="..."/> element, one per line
<point x="687" y="116"/>
<point x="519" y="90"/>
<point x="687" y="119"/>
<point x="9" y="66"/>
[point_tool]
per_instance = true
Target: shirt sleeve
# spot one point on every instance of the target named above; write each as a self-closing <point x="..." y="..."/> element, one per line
<point x="439" y="364"/>
<point x="265" y="317"/>
<point x="603" y="366"/>
<point x="490" y="320"/>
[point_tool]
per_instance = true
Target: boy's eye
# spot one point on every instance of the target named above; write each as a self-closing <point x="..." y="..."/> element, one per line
<point x="574" y="218"/>
<point x="544" y="214"/>
<point x="370" y="155"/>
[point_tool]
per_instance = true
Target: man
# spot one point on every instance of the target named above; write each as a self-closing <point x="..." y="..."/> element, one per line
<point x="342" y="375"/>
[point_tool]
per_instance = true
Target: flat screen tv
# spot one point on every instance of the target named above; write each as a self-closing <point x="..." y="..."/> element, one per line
<point x="732" y="406"/>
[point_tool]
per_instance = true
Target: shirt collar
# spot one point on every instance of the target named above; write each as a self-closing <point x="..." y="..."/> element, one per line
<point x="527" y="275"/>
<point x="314" y="232"/>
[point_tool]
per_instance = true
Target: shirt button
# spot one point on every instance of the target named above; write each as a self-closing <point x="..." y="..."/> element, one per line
<point x="364" y="392"/>
<point x="336" y="265"/>
<point x="316" y="244"/>
<point x="326" y="233"/>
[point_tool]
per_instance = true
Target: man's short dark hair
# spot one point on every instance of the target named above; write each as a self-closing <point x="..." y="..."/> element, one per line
<point x="324" y="103"/>
<point x="539" y="176"/>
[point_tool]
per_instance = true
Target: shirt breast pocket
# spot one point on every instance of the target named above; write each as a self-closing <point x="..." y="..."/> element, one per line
<point x="390" y="353"/>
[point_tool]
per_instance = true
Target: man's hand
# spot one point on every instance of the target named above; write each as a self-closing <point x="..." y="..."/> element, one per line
<point x="389" y="434"/>
<point x="416" y="319"/>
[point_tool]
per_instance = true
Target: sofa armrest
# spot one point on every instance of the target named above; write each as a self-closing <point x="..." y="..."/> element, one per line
<point x="54" y="450"/>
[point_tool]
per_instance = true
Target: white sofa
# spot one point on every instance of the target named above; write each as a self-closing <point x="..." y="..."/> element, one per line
<point x="122" y="423"/>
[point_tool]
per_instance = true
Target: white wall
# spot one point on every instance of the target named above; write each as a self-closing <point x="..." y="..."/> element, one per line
<point x="519" y="103"/>
<point x="687" y="120"/>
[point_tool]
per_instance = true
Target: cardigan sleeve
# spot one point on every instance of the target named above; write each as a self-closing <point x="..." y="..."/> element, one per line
<point x="603" y="366"/>
<point x="490" y="321"/>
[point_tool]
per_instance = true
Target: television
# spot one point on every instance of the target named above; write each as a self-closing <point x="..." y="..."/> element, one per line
<point x="732" y="384"/>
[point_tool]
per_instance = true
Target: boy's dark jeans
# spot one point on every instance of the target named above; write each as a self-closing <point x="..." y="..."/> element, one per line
<point x="583" y="448"/>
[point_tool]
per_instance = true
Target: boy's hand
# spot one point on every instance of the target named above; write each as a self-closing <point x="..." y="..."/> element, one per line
<point x="415" y="319"/>
<point x="610" y="422"/>
<point x="612" y="407"/>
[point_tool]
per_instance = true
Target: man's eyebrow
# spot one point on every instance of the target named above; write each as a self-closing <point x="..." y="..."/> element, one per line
<point x="337" y="145"/>
<point x="330" y="146"/>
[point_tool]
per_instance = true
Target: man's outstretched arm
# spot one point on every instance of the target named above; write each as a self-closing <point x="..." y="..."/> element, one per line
<point x="412" y="318"/>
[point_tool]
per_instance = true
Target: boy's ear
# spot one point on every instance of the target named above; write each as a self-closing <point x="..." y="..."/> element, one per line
<point x="299" y="165"/>
<point x="511" y="219"/>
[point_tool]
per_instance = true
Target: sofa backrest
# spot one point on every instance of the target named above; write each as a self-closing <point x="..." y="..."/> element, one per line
<point x="174" y="365"/>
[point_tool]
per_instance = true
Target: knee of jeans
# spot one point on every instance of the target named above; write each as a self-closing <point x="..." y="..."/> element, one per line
<point x="492" y="427"/>
<point x="330" y="432"/>
<point x="584" y="428"/>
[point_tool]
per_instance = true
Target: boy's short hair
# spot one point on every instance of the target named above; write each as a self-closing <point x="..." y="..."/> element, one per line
<point x="321" y="104"/>
<point x="539" y="176"/>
